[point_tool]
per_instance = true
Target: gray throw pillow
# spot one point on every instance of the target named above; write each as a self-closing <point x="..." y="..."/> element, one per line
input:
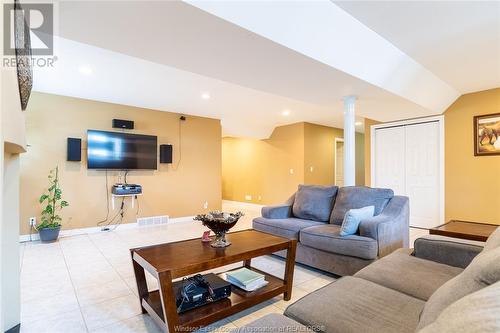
<point x="313" y="202"/>
<point x="493" y="241"/>
<point x="483" y="271"/>
<point x="352" y="219"/>
<point x="478" y="312"/>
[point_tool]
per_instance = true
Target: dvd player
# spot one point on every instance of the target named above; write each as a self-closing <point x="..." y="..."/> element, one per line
<point x="199" y="290"/>
<point x="126" y="189"/>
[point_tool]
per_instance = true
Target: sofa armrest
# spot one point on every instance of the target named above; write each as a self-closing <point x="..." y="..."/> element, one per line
<point x="447" y="250"/>
<point x="391" y="227"/>
<point x="277" y="212"/>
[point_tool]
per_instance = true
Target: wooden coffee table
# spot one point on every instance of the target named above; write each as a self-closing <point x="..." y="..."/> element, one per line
<point x="465" y="230"/>
<point x="174" y="260"/>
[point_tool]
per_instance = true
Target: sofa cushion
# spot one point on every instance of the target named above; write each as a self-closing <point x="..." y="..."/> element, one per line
<point x="483" y="271"/>
<point x="314" y="202"/>
<point x="355" y="305"/>
<point x="493" y="241"/>
<point x="478" y="312"/>
<point x="407" y="274"/>
<point x="356" y="197"/>
<point x="288" y="228"/>
<point x="273" y="322"/>
<point x="327" y="237"/>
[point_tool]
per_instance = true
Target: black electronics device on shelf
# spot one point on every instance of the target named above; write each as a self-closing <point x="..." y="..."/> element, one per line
<point x="199" y="290"/>
<point x="126" y="189"/>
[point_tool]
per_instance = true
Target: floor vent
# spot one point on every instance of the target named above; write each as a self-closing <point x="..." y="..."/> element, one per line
<point x="152" y="220"/>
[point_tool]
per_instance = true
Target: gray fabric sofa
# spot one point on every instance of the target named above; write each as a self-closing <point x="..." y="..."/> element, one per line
<point x="444" y="285"/>
<point x="319" y="243"/>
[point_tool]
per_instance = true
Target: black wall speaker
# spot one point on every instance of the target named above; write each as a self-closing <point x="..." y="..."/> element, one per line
<point x="165" y="153"/>
<point x="74" y="149"/>
<point x="120" y="123"/>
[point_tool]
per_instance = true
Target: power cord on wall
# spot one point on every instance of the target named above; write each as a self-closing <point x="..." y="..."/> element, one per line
<point x="107" y="202"/>
<point x="181" y="119"/>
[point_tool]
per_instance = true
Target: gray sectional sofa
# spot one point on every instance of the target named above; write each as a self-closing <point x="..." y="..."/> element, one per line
<point x="314" y="214"/>
<point x="444" y="285"/>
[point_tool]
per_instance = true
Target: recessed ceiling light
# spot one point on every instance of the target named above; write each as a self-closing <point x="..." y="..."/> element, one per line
<point x="205" y="96"/>
<point x="285" y="113"/>
<point x="85" y="70"/>
<point x="358" y="123"/>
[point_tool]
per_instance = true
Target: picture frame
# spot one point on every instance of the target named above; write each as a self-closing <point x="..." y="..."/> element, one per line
<point x="487" y="135"/>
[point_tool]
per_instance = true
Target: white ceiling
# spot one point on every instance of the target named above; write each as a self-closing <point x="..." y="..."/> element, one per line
<point x="459" y="41"/>
<point x="164" y="55"/>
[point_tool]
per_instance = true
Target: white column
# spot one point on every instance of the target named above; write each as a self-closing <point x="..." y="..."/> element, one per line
<point x="349" y="141"/>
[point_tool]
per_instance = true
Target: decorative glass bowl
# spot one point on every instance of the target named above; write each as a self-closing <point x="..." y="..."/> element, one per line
<point x="219" y="223"/>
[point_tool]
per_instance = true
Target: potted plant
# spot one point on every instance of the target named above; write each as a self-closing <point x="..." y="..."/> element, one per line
<point x="52" y="203"/>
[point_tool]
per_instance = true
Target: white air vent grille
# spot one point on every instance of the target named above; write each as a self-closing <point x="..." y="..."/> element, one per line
<point x="152" y="220"/>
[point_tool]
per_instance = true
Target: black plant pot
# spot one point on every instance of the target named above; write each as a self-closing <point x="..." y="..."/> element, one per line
<point x="49" y="234"/>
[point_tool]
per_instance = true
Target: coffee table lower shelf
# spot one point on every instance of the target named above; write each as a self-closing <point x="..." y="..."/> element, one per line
<point x="199" y="317"/>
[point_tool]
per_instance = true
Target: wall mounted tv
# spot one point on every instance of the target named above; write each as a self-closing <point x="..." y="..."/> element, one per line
<point x="122" y="151"/>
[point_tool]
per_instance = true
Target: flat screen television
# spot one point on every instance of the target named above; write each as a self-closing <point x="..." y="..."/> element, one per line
<point x="122" y="151"/>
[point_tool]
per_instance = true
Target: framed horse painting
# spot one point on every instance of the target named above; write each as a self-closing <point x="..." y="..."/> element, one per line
<point x="487" y="135"/>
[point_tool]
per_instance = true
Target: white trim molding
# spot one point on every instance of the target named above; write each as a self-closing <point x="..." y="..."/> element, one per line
<point x="95" y="230"/>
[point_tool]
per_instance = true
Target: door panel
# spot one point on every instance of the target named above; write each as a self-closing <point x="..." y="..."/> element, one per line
<point x="389" y="160"/>
<point x="422" y="174"/>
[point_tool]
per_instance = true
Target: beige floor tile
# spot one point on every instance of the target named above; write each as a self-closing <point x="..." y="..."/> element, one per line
<point x="297" y="293"/>
<point x="67" y="322"/>
<point x="246" y="316"/>
<point x="45" y="288"/>
<point x="102" y="292"/>
<point x="138" y="324"/>
<point x="112" y="311"/>
<point x="316" y="283"/>
<point x="42" y="307"/>
<point x="92" y="278"/>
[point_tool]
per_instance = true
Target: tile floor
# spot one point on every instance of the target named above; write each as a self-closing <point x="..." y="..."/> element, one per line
<point x="86" y="283"/>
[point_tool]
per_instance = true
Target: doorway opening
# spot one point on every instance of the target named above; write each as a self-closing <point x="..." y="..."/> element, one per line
<point x="338" y="173"/>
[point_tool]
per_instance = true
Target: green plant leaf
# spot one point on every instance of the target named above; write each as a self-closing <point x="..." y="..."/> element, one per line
<point x="43" y="198"/>
<point x="64" y="204"/>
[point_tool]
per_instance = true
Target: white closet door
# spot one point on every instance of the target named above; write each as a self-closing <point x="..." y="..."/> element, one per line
<point x="389" y="159"/>
<point x="422" y="174"/>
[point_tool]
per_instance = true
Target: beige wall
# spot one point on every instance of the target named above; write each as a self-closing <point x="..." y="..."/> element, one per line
<point x="261" y="168"/>
<point x="472" y="183"/>
<point x="52" y="119"/>
<point x="319" y="153"/>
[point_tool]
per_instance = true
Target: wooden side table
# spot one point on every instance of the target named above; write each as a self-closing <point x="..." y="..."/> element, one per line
<point x="174" y="260"/>
<point x="465" y="230"/>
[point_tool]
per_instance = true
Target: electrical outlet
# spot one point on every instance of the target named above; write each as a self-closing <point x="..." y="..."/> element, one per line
<point x="291" y="171"/>
<point x="32" y="221"/>
<point x="205" y="205"/>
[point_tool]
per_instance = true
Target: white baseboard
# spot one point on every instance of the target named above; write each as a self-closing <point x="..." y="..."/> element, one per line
<point x="94" y="230"/>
